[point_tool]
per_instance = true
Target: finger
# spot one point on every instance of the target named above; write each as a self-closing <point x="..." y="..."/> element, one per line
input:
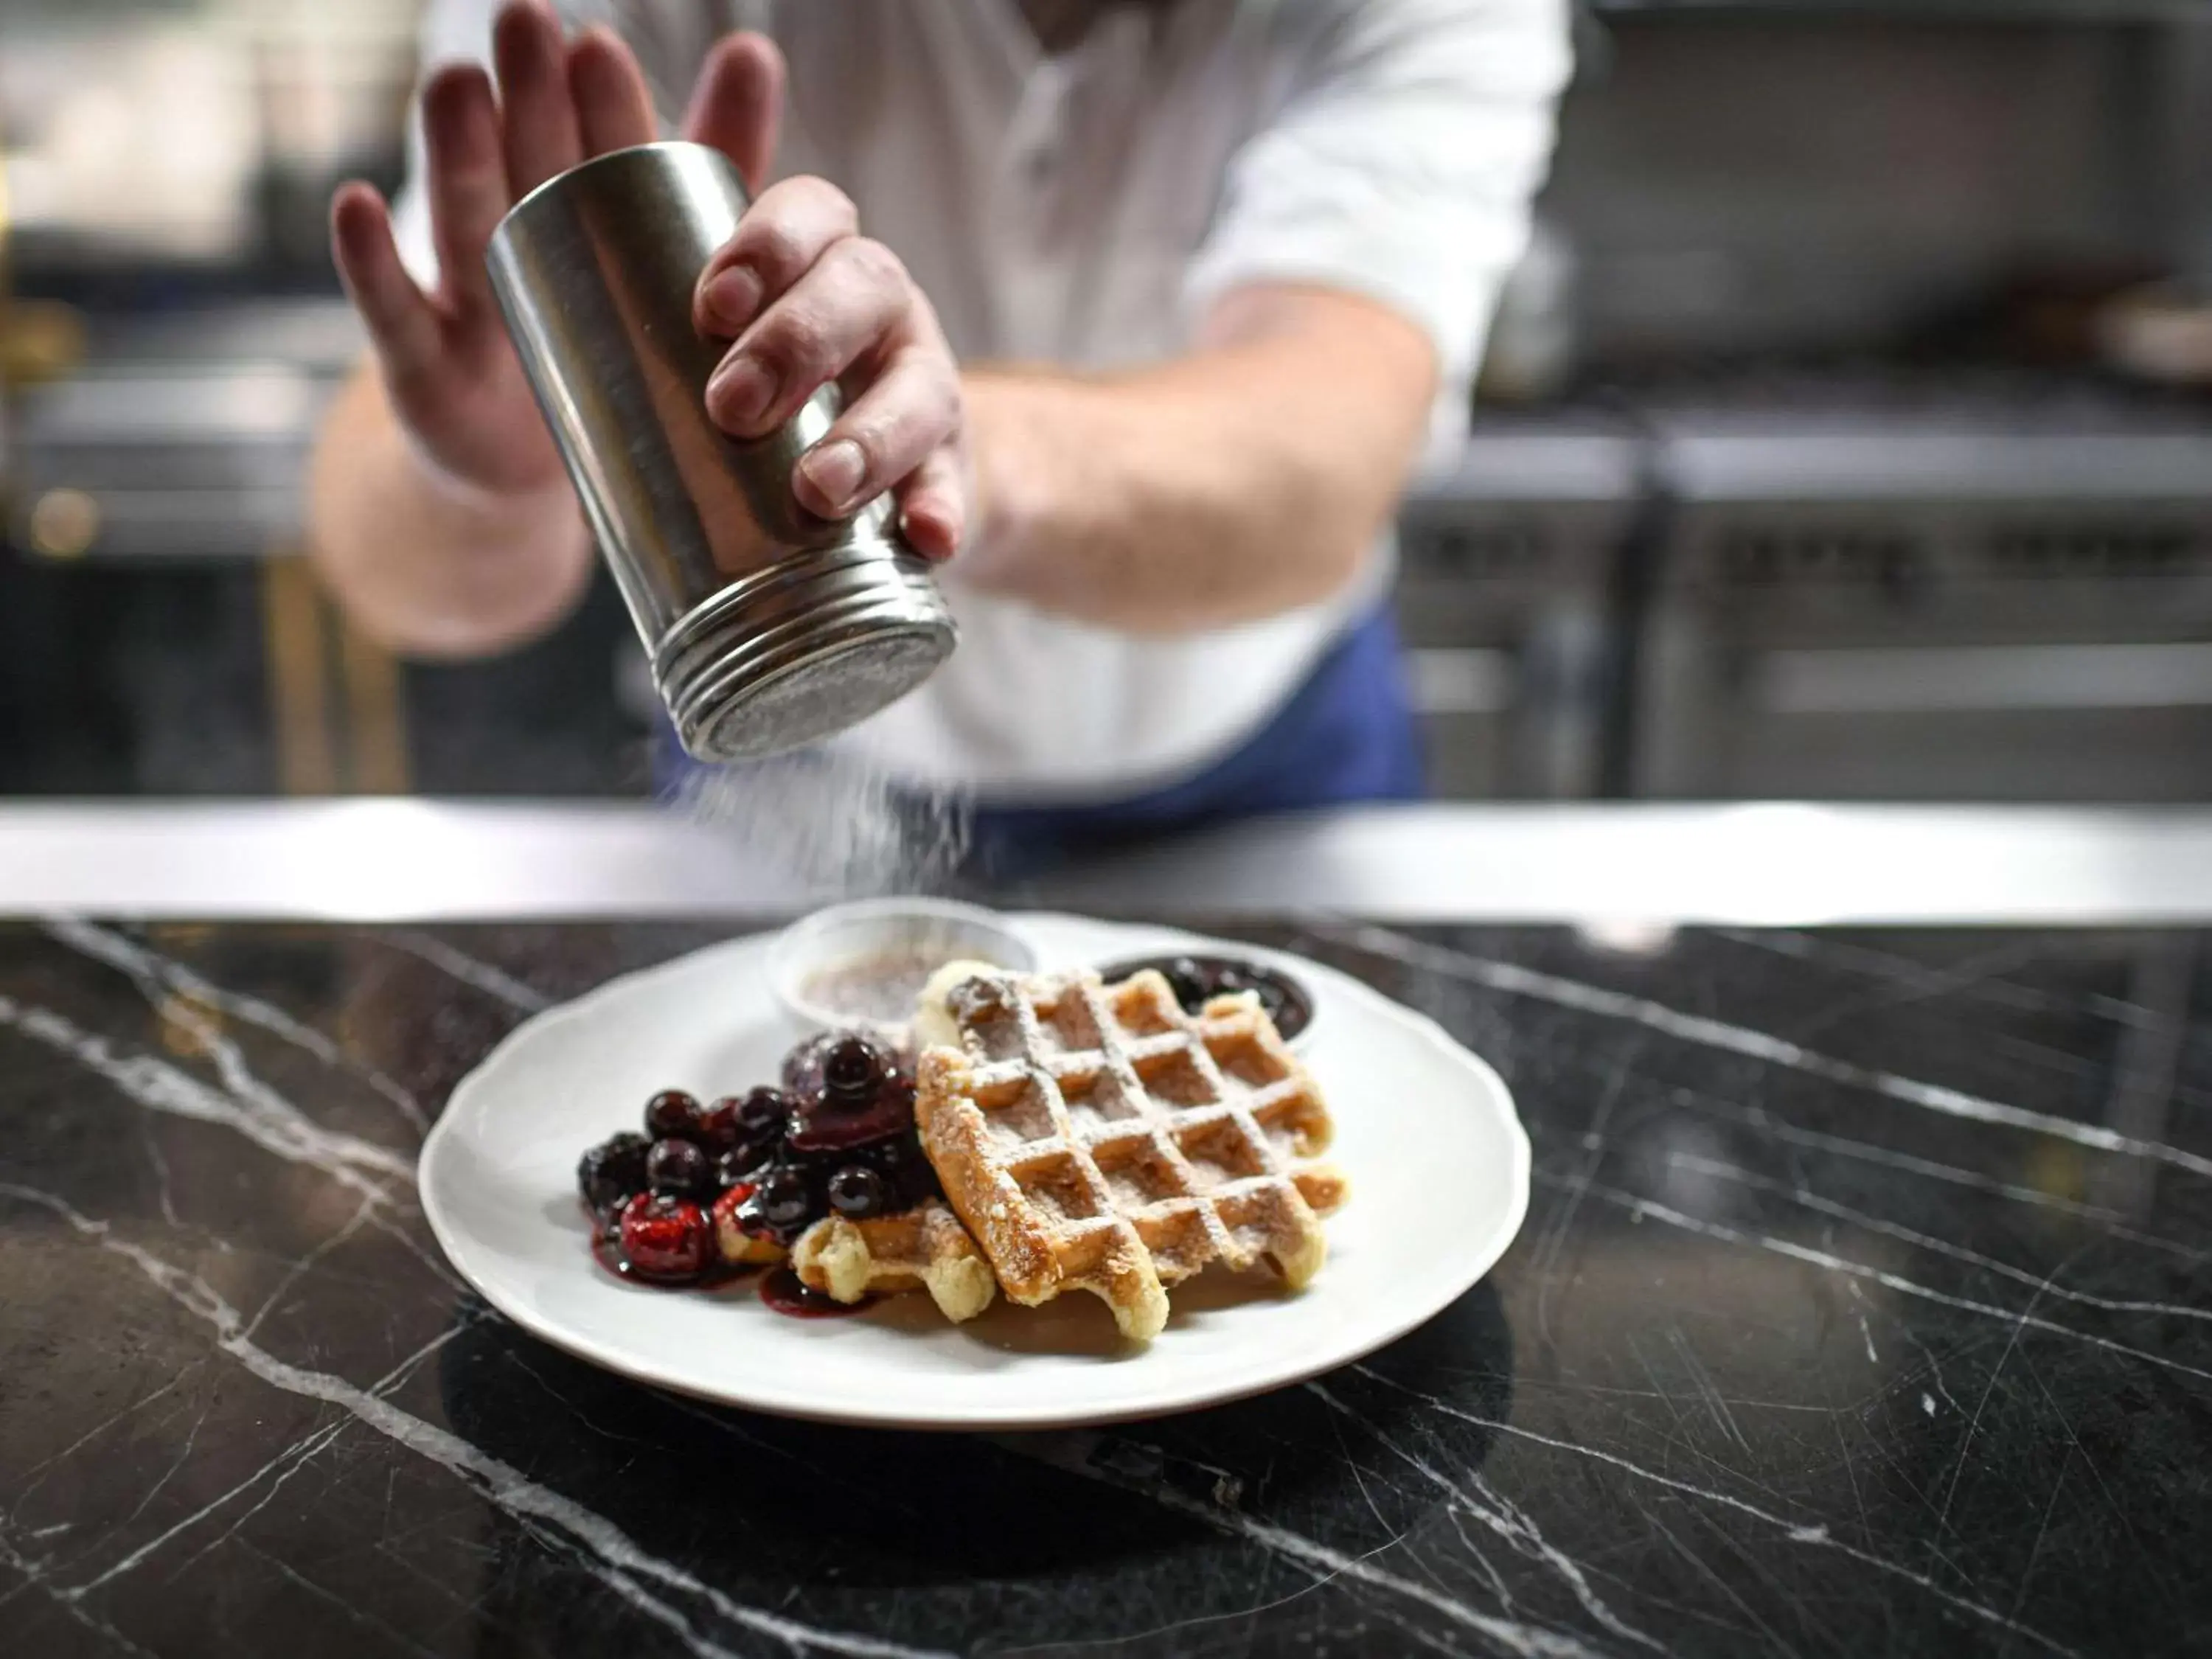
<point x="737" y="105"/>
<point x="933" y="504"/>
<point x="467" y="178"/>
<point x="890" y="429"/>
<point x="781" y="238"/>
<point x="538" y="119"/>
<point x="844" y="309"/>
<point x="401" y="322"/>
<point x="614" y="109"/>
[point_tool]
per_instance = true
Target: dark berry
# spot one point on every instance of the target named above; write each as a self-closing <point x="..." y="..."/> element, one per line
<point x="735" y="1169"/>
<point x="783" y="1199"/>
<point x="750" y="1125"/>
<point x="974" y="1000"/>
<point x="718" y="1125"/>
<point x="763" y="1113"/>
<point x="672" y="1114"/>
<point x="677" y="1168"/>
<point x="1187" y="980"/>
<point x="802" y="1067"/>
<point x="853" y="1070"/>
<point x="898" y="1157"/>
<point x="856" y="1191"/>
<point x="612" y="1171"/>
<point x="665" y="1237"/>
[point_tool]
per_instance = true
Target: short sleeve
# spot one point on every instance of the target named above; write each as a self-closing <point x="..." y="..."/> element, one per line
<point x="1400" y="166"/>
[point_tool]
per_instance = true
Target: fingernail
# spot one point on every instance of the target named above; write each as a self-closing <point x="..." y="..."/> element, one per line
<point x="731" y="300"/>
<point x="740" y="392"/>
<point x="835" y="470"/>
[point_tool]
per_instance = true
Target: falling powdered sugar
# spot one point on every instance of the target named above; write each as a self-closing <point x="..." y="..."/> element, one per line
<point x="831" y="819"/>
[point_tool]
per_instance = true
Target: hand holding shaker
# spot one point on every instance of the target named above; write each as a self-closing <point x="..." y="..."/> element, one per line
<point x="768" y="628"/>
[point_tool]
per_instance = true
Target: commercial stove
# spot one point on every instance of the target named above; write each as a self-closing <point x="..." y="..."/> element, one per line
<point x="1998" y="588"/>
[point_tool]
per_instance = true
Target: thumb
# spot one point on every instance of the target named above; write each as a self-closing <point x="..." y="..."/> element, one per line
<point x="737" y="105"/>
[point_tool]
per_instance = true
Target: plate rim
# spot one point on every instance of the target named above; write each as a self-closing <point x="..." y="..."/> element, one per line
<point x="1499" y="1239"/>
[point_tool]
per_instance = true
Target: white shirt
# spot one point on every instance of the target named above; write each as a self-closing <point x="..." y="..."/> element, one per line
<point x="1086" y="209"/>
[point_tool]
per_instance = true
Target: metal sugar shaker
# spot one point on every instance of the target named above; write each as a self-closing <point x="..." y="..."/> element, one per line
<point x="767" y="627"/>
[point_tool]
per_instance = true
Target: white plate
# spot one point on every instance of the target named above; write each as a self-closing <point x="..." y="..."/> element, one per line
<point x="1426" y="1132"/>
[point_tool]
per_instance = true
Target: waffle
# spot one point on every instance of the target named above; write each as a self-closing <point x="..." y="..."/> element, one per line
<point x="923" y="1249"/>
<point x="1097" y="1137"/>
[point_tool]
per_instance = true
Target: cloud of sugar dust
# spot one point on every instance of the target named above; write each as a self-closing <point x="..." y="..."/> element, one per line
<point x="832" y="820"/>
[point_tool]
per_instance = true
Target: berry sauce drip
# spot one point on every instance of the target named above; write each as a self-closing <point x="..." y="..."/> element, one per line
<point x="787" y="1293"/>
<point x="687" y="1201"/>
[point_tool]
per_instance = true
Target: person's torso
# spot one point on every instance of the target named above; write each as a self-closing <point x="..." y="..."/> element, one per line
<point x="1051" y="208"/>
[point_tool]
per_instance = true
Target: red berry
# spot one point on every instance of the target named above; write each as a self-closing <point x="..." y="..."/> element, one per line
<point x="665" y="1238"/>
<point x="731" y="1234"/>
<point x="672" y="1114"/>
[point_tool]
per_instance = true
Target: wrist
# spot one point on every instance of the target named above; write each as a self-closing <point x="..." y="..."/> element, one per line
<point x="493" y="492"/>
<point x="1005" y="464"/>
<point x="488" y="517"/>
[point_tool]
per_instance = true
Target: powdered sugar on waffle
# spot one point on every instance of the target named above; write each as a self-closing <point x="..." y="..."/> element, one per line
<point x="1099" y="1138"/>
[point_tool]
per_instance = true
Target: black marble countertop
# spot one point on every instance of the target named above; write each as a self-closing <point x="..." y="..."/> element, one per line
<point x="1861" y="1307"/>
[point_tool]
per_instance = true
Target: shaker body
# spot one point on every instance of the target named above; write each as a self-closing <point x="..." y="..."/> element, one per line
<point x="767" y="627"/>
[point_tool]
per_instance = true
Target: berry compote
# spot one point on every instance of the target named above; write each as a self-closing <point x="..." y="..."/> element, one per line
<point x="709" y="1191"/>
<point x="1195" y="980"/>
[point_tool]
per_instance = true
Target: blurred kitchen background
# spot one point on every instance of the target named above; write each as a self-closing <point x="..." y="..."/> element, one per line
<point x="1843" y="437"/>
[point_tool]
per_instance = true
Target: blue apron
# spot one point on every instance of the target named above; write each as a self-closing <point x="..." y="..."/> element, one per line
<point x="1347" y="734"/>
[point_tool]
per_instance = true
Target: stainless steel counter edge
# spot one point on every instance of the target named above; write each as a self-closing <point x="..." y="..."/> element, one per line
<point x="390" y="861"/>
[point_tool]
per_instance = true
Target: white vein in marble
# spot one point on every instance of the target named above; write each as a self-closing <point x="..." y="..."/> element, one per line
<point x="1648" y="1209"/>
<point x="1758" y="1045"/>
<point x="150" y="969"/>
<point x="1813" y="1139"/>
<point x="1806" y="1199"/>
<point x="257" y="1113"/>
<point x="1815" y="1535"/>
<point x="1507" y="1521"/>
<point x="1074" y="1452"/>
<point x="616" y="1558"/>
<point x="455" y="964"/>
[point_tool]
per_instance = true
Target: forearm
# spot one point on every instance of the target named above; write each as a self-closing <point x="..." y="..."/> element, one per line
<point x="1228" y="486"/>
<point x="422" y="565"/>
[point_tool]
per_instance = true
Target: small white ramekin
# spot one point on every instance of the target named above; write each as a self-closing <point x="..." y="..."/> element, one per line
<point x="843" y="932"/>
